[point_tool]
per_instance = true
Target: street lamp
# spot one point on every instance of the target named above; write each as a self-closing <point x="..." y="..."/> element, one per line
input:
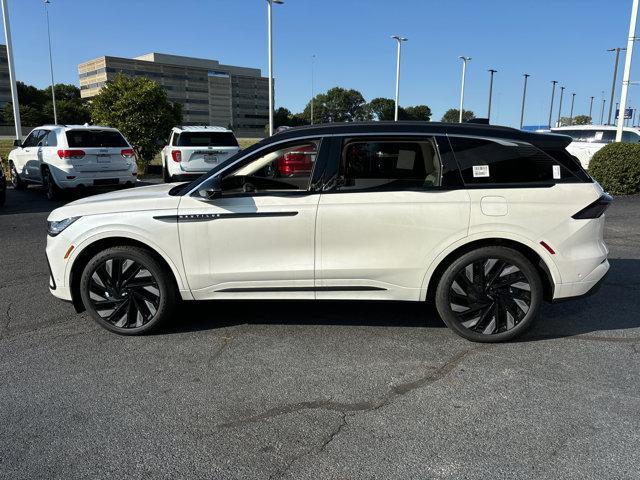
<point x="491" y="72"/>
<point x="560" y="106"/>
<point x="591" y="109"/>
<point x="464" y="73"/>
<point x="573" y="99"/>
<point x="12" y="74"/>
<point x="627" y="68"/>
<point x="524" y="96"/>
<point x="399" y="40"/>
<point x="313" y="61"/>
<point x="604" y="102"/>
<point x="553" y="93"/>
<point x="270" y="46"/>
<point x="615" y="76"/>
<point x="53" y="91"/>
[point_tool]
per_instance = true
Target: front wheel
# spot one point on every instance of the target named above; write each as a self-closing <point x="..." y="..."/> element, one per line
<point x="490" y="294"/>
<point x="16" y="181"/>
<point x="126" y="290"/>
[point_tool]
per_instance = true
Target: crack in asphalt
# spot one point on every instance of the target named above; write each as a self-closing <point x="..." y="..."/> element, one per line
<point x="394" y="392"/>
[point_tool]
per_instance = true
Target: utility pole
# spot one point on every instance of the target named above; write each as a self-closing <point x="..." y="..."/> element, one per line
<point x="398" y="39"/>
<point x="615" y="76"/>
<point x="491" y="71"/>
<point x="464" y="74"/>
<point x="604" y="101"/>
<point x="553" y="93"/>
<point x="573" y="99"/>
<point x="12" y="73"/>
<point x="313" y="59"/>
<point x="591" y="110"/>
<point x="270" y="47"/>
<point x="53" y="90"/>
<point x="560" y="106"/>
<point x="524" y="96"/>
<point x="627" y="68"/>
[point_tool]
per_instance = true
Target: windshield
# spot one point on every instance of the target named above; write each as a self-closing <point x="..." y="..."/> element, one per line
<point x="206" y="139"/>
<point x="95" y="139"/>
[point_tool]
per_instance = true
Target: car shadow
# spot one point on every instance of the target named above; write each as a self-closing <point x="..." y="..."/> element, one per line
<point x="614" y="307"/>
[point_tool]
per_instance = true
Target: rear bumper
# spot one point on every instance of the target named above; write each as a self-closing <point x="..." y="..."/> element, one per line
<point x="588" y="286"/>
<point x="72" y="177"/>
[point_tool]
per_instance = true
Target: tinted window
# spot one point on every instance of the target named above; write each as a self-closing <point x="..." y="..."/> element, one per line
<point x="588" y="135"/>
<point x="570" y="162"/>
<point x="95" y="139"/>
<point x="391" y="164"/>
<point x="206" y="139"/>
<point x="31" y="140"/>
<point x="484" y="161"/>
<point x="630" y="137"/>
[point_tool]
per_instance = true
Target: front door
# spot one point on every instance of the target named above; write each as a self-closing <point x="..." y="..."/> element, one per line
<point x="256" y="240"/>
<point x="385" y="217"/>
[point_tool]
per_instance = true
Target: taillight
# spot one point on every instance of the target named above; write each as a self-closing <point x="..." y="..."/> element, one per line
<point x="595" y="209"/>
<point x="176" y="155"/>
<point x="74" y="154"/>
<point x="127" y="153"/>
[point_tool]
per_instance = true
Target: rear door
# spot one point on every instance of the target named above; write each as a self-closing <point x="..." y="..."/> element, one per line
<point x="384" y="215"/>
<point x="93" y="150"/>
<point x="201" y="151"/>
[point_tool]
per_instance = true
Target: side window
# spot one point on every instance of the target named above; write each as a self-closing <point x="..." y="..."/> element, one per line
<point x="483" y="161"/>
<point x="42" y="134"/>
<point x="630" y="137"/>
<point x="33" y="139"/>
<point x="282" y="169"/>
<point x="389" y="164"/>
<point x="173" y="139"/>
<point x="51" y="139"/>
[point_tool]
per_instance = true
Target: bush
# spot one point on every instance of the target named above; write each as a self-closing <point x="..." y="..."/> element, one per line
<point x="617" y="168"/>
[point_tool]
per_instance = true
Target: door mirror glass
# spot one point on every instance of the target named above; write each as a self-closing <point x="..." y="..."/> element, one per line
<point x="212" y="190"/>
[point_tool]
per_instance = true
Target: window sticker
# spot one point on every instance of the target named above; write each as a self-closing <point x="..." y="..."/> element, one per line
<point x="406" y="159"/>
<point x="599" y="135"/>
<point x="480" y="171"/>
<point x="556" y="172"/>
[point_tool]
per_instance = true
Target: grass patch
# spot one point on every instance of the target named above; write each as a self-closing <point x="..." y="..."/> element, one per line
<point x="6" y="145"/>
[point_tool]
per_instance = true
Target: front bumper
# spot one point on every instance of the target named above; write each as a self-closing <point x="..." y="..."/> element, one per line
<point x="588" y="286"/>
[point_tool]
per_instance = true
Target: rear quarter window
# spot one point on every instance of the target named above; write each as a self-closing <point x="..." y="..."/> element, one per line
<point x="95" y="139"/>
<point x="482" y="161"/>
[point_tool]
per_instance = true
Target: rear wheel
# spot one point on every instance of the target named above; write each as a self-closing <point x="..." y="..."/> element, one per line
<point x="16" y="181"/>
<point x="166" y="175"/>
<point x="126" y="290"/>
<point x="490" y="294"/>
<point x="51" y="190"/>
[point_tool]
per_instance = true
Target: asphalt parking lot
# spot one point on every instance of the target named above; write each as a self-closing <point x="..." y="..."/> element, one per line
<point x="315" y="390"/>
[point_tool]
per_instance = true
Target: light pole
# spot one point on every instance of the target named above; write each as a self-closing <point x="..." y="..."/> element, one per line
<point x="399" y="40"/>
<point x="560" y="105"/>
<point x="464" y="73"/>
<point x="573" y="100"/>
<point x="313" y="61"/>
<point x="553" y="93"/>
<point x="12" y="73"/>
<point x="270" y="46"/>
<point x="627" y="68"/>
<point x="491" y="72"/>
<point x="604" y="101"/>
<point x="53" y="90"/>
<point x="524" y="96"/>
<point x="615" y="76"/>
<point x="591" y="109"/>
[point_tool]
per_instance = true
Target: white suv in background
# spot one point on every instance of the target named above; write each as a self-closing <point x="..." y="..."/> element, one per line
<point x="588" y="139"/>
<point x="69" y="156"/>
<point x="193" y="151"/>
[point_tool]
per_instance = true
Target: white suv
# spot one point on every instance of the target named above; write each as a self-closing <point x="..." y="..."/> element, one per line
<point x="485" y="221"/>
<point x="193" y="151"/>
<point x="68" y="156"/>
<point x="588" y="139"/>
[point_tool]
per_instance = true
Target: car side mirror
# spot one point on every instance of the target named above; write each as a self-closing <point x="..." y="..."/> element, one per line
<point x="17" y="143"/>
<point x="213" y="190"/>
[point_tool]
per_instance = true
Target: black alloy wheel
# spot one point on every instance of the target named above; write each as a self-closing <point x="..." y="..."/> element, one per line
<point x="126" y="290"/>
<point x="490" y="295"/>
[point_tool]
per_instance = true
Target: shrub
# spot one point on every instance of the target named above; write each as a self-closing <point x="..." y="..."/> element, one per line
<point x="617" y="168"/>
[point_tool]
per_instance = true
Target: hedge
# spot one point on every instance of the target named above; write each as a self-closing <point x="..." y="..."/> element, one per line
<point x="617" y="168"/>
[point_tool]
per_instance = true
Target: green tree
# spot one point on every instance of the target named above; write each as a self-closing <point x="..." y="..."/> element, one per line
<point x="582" y="120"/>
<point x="140" y="109"/>
<point x="453" y="115"/>
<point x="419" y="113"/>
<point x="383" y="109"/>
<point x="337" y="105"/>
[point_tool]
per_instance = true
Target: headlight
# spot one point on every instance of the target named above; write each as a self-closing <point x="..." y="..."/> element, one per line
<point x="54" y="228"/>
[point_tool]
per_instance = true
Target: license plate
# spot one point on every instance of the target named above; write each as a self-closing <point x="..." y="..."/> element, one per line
<point x="104" y="158"/>
<point x="210" y="158"/>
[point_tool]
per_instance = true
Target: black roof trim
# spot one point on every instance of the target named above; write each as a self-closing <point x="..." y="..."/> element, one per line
<point x="542" y="140"/>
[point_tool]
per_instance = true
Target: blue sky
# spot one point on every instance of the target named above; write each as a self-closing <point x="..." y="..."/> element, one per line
<point x="564" y="40"/>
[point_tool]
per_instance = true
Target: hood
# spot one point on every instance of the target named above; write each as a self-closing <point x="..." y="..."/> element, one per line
<point x="153" y="197"/>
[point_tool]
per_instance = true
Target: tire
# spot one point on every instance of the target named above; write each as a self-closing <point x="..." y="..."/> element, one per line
<point x="51" y="190"/>
<point x="134" y="301"/>
<point x="491" y="294"/>
<point x="16" y="181"/>
<point x="3" y="192"/>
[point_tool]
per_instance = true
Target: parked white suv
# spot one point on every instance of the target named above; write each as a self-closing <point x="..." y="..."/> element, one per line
<point x="588" y="139"/>
<point x="69" y="156"/>
<point x="192" y="151"/>
<point x="485" y="221"/>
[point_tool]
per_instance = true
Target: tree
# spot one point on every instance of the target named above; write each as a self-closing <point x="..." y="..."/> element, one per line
<point x="382" y="108"/>
<point x="337" y="105"/>
<point x="582" y="120"/>
<point x="140" y="109"/>
<point x="453" y="115"/>
<point x="419" y="113"/>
